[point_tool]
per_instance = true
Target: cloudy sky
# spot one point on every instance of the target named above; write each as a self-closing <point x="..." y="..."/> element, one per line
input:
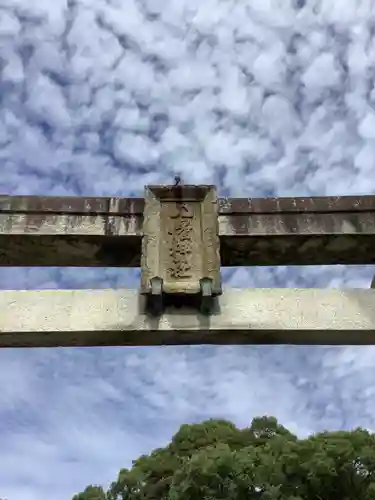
<point x="99" y="97"/>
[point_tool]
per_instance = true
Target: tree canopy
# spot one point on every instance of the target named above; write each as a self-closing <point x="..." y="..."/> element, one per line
<point x="215" y="460"/>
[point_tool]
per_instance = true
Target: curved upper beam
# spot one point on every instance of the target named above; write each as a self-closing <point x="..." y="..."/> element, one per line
<point x="104" y="232"/>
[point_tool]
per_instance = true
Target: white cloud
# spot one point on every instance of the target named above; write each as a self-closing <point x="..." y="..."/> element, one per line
<point x="367" y="126"/>
<point x="100" y="98"/>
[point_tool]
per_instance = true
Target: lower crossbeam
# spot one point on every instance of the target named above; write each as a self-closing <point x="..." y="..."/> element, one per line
<point x="67" y="318"/>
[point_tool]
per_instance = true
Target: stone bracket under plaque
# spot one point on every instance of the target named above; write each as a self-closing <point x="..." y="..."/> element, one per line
<point x="180" y="263"/>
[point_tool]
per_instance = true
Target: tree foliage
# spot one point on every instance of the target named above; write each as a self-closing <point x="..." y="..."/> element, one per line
<point x="91" y="493"/>
<point x="215" y="460"/>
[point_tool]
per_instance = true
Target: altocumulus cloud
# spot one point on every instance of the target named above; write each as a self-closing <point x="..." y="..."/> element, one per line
<point x="261" y="97"/>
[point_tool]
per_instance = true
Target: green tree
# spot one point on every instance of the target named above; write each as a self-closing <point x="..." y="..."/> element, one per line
<point x="151" y="475"/>
<point x="328" y="466"/>
<point x="265" y="461"/>
<point x="91" y="493"/>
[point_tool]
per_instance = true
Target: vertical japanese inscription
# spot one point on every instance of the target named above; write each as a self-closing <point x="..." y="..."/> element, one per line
<point x="180" y="241"/>
<point x="181" y="235"/>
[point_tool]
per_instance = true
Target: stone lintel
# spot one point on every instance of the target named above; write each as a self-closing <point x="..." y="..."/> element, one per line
<point x="68" y="318"/>
<point x="107" y="232"/>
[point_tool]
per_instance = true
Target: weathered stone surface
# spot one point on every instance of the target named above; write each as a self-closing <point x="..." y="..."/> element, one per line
<point x="81" y="205"/>
<point x="49" y="231"/>
<point x="289" y="249"/>
<point x="180" y="238"/>
<point x="313" y="204"/>
<point x="253" y="316"/>
<point x="75" y="251"/>
<point x="129" y="206"/>
<point x="50" y="239"/>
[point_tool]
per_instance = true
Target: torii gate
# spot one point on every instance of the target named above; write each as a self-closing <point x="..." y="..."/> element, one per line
<point x="180" y="236"/>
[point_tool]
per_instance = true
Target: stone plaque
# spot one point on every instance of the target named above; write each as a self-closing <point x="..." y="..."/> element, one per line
<point x="180" y="241"/>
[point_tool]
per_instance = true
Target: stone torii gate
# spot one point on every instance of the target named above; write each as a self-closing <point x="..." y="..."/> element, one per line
<point x="181" y="236"/>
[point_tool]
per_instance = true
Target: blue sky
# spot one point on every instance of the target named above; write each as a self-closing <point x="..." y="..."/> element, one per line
<point x="261" y="97"/>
